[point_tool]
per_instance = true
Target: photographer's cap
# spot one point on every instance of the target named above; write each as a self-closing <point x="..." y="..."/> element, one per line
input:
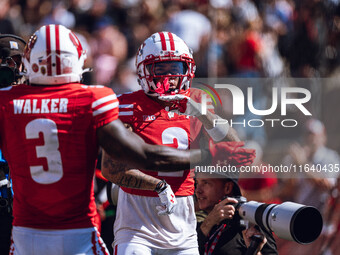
<point x="231" y="176"/>
<point x="12" y="43"/>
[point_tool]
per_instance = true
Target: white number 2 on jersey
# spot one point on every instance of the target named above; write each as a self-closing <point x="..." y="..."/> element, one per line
<point x="182" y="138"/>
<point x="50" y="151"/>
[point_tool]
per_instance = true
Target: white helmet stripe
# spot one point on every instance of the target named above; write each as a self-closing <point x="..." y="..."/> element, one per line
<point x="53" y="47"/>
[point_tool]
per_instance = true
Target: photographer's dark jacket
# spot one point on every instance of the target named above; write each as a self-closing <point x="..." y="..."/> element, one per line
<point x="231" y="241"/>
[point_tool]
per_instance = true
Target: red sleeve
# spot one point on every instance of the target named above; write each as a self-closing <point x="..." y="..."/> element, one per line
<point x="104" y="106"/>
<point x="126" y="107"/>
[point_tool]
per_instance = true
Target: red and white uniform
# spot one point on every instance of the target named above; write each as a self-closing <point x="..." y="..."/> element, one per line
<point x="137" y="221"/>
<point x="155" y="125"/>
<point x="48" y="136"/>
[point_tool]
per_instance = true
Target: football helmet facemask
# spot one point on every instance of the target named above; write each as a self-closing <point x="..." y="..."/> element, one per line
<point x="54" y="55"/>
<point x="161" y="57"/>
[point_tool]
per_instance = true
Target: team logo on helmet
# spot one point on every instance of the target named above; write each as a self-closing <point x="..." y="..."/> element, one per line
<point x="29" y="46"/>
<point x="76" y="43"/>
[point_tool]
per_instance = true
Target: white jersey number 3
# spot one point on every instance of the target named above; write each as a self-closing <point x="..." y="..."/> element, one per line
<point x="168" y="137"/>
<point x="50" y="151"/>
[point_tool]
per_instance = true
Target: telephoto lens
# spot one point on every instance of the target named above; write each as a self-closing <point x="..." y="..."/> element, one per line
<point x="291" y="221"/>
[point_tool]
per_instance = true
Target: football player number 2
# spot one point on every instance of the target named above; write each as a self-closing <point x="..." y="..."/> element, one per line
<point x="169" y="136"/>
<point x="50" y="151"/>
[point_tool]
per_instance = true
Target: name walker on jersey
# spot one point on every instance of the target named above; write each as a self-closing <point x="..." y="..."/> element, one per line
<point x="35" y="106"/>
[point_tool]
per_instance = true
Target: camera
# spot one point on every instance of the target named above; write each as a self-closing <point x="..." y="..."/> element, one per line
<point x="9" y="72"/>
<point x="11" y="49"/>
<point x="7" y="75"/>
<point x="290" y="221"/>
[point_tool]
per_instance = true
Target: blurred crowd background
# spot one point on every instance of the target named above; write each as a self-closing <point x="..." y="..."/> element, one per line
<point x="230" y="38"/>
<point x="266" y="38"/>
<point x="280" y="39"/>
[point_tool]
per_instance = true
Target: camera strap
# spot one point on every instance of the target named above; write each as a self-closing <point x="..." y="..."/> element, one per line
<point x="213" y="239"/>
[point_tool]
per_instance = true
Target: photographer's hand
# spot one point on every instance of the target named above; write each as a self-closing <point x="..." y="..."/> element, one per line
<point x="254" y="231"/>
<point x="221" y="211"/>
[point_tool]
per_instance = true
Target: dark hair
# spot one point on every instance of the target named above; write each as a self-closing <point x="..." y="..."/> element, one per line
<point x="236" y="189"/>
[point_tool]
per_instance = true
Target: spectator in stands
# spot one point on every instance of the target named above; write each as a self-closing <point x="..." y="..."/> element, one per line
<point x="6" y="26"/>
<point x="259" y="186"/>
<point x="313" y="187"/>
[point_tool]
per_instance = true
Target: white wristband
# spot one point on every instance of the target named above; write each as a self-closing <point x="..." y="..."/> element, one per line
<point x="219" y="132"/>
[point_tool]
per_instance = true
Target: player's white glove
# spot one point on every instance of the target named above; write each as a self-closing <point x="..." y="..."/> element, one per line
<point x="167" y="197"/>
<point x="183" y="105"/>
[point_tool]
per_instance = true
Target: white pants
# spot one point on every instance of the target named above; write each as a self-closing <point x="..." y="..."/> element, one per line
<point x="30" y="241"/>
<point x="137" y="222"/>
<point x="140" y="249"/>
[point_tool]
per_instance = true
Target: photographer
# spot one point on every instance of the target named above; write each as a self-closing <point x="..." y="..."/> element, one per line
<point x="219" y="230"/>
<point x="11" y="50"/>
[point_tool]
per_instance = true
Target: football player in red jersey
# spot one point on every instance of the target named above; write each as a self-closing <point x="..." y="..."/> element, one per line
<point x="50" y="133"/>
<point x="155" y="211"/>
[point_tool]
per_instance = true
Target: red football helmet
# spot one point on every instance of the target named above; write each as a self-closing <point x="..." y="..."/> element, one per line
<point x="160" y="49"/>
